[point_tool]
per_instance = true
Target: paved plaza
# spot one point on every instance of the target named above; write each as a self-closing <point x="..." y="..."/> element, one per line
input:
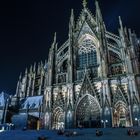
<point x="83" y="134"/>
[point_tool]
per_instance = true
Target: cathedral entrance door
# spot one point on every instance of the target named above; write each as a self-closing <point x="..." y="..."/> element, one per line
<point x="58" y="119"/>
<point x="121" y="115"/>
<point x="88" y="112"/>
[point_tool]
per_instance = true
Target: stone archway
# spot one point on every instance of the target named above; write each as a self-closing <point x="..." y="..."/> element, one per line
<point x="88" y="112"/>
<point x="58" y="118"/>
<point x="121" y="115"/>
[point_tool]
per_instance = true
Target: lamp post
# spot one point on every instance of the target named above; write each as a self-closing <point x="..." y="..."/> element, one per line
<point x="104" y="122"/>
<point x="137" y="122"/>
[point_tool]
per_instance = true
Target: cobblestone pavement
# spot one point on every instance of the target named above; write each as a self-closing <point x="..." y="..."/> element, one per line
<point x="83" y="134"/>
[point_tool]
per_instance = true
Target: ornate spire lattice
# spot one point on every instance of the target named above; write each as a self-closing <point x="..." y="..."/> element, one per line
<point x="84" y="3"/>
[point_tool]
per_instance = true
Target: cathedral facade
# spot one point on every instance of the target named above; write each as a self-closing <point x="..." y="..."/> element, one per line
<point x="92" y="80"/>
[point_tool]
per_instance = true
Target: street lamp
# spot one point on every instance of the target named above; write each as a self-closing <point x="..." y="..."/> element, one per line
<point x="104" y="122"/>
<point x="137" y="121"/>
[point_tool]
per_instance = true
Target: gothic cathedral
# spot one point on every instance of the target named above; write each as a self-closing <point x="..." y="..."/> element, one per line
<point x="92" y="80"/>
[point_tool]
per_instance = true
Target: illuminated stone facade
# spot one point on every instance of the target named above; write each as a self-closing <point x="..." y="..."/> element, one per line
<point x="92" y="80"/>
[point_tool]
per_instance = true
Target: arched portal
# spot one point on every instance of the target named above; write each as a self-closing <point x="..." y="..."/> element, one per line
<point x="58" y="118"/>
<point x="121" y="115"/>
<point x="88" y="112"/>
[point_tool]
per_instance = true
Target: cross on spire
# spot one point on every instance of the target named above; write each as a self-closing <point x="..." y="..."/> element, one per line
<point x="84" y="3"/>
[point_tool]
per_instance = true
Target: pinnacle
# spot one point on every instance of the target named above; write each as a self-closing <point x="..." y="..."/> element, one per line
<point x="84" y="3"/>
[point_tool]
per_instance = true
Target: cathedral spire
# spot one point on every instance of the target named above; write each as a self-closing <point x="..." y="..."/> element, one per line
<point x="120" y="22"/>
<point x="84" y="3"/>
<point x="70" y="56"/>
<point x="121" y="29"/>
<point x="54" y="41"/>
<point x="20" y="76"/>
<point x="98" y="12"/>
<point x="71" y="23"/>
<point x="72" y="18"/>
<point x="18" y="86"/>
<point x="34" y="67"/>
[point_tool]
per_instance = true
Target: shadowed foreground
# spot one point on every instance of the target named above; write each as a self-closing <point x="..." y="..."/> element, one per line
<point x="83" y="134"/>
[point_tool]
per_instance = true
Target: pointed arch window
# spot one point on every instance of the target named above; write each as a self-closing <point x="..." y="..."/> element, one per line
<point x="87" y="55"/>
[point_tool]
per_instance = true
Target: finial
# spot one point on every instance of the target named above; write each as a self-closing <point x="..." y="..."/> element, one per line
<point x="84" y="3"/>
<point x="120" y="22"/>
<point x="72" y="17"/>
<point x="34" y="66"/>
<point x="71" y="23"/>
<point x="54" y="41"/>
<point x="20" y="76"/>
<point x="96" y="2"/>
<point x="97" y="5"/>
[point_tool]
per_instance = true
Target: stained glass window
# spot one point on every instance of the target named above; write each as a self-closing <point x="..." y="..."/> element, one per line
<point x="87" y="56"/>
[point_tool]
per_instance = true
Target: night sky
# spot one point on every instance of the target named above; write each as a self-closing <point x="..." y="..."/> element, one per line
<point x="27" y="28"/>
